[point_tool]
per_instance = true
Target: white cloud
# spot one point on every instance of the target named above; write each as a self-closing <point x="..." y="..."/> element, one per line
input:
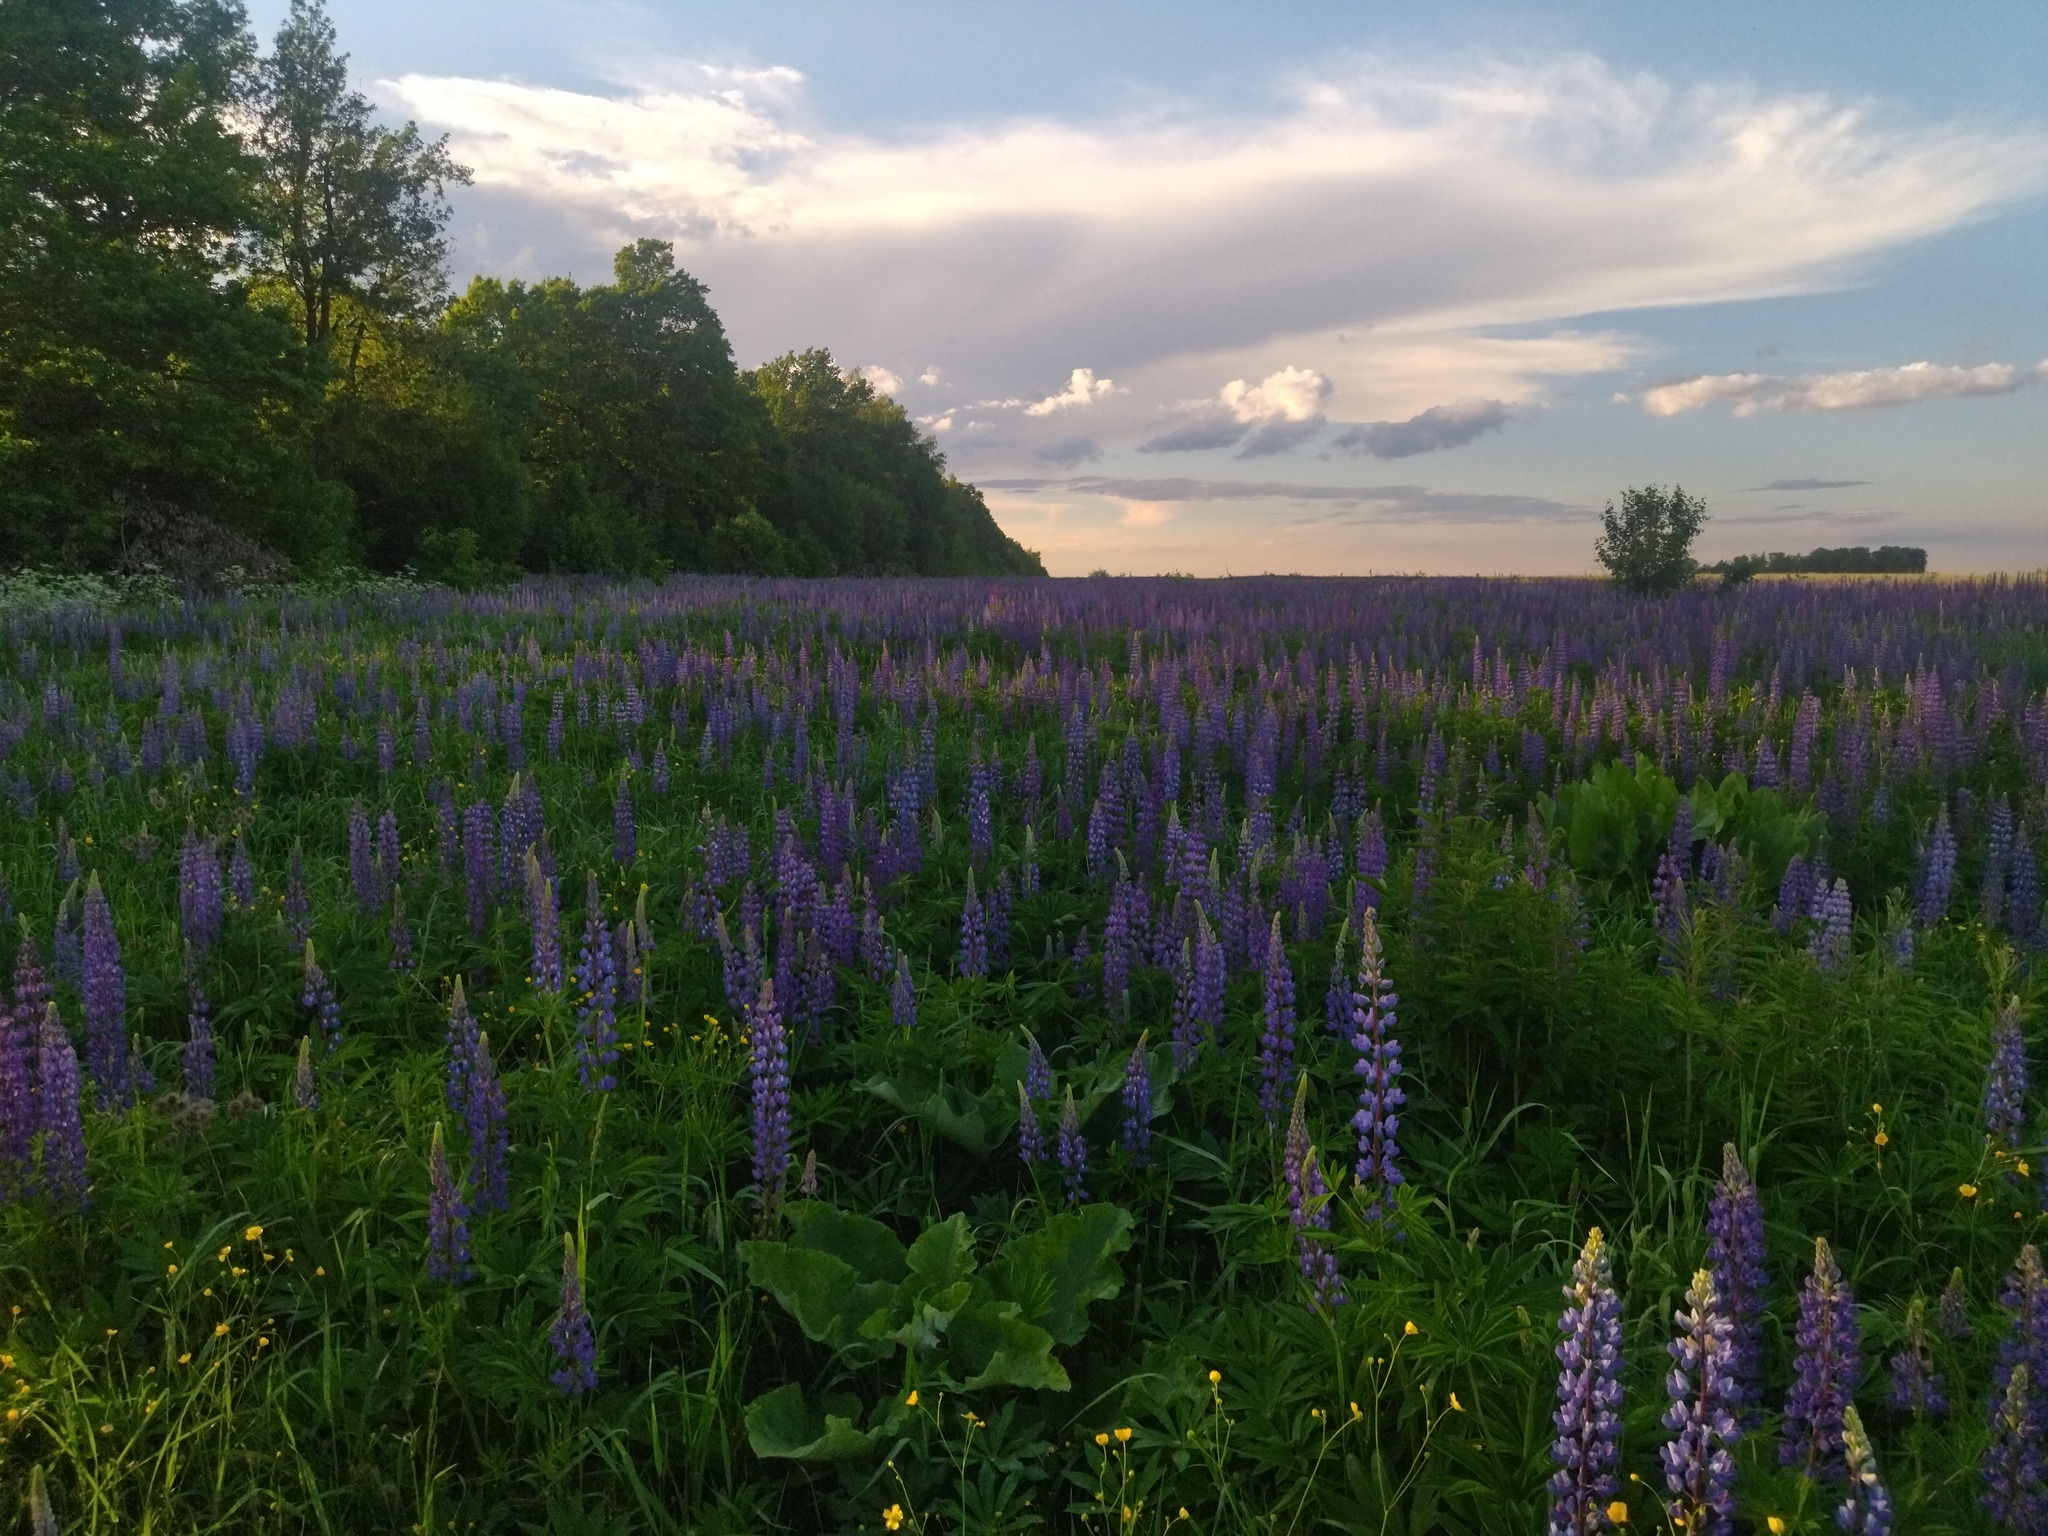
<point x="1292" y="394"/>
<point x="1282" y="410"/>
<point x="1376" y="199"/>
<point x="883" y="380"/>
<point x="931" y="375"/>
<point x="1083" y="388"/>
<point x="1855" y="390"/>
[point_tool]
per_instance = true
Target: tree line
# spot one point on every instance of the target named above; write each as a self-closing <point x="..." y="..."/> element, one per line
<point x="227" y="336"/>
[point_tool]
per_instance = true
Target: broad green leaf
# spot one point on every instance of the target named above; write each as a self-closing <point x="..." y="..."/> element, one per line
<point x="871" y="1249"/>
<point x="942" y="1254"/>
<point x="820" y="1290"/>
<point x="781" y="1424"/>
<point x="948" y="1109"/>
<point x="1055" y="1272"/>
<point x="991" y="1345"/>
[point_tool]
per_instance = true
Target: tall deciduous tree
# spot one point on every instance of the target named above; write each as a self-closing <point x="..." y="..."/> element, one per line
<point x="133" y="374"/>
<point x="353" y="211"/>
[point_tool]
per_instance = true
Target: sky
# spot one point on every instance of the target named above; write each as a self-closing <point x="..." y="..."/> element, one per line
<point x="1322" y="288"/>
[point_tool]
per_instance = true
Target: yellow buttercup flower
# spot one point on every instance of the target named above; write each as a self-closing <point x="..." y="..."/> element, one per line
<point x="892" y="1517"/>
<point x="1214" y="1377"/>
<point x="1410" y="1329"/>
<point x="1102" y="1439"/>
<point x="1618" y="1512"/>
<point x="252" y="1234"/>
<point x="1123" y="1437"/>
<point x="1967" y="1191"/>
<point x="1777" y="1525"/>
<point x="911" y="1401"/>
<point x="1456" y="1406"/>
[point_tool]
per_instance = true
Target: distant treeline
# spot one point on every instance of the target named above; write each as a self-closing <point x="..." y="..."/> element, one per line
<point x="227" y="337"/>
<point x="1860" y="559"/>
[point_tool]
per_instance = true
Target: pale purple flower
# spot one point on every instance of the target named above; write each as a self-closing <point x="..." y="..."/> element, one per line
<point x="1588" y="1415"/>
<point x="1735" y="1254"/>
<point x="1276" y="1044"/>
<point x="2005" y="1081"/>
<point x="1699" y="1468"/>
<point x="1073" y="1153"/>
<point x="105" y="988"/>
<point x="1137" y="1101"/>
<point x="1867" y="1508"/>
<point x="1824" y="1372"/>
<point x="1307" y="1206"/>
<point x="1378" y="1120"/>
<point x="570" y="1335"/>
<point x="447" y="1219"/>
<point x="768" y="1066"/>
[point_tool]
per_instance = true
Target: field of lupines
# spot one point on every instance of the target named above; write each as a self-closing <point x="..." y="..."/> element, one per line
<point x="1111" y="1055"/>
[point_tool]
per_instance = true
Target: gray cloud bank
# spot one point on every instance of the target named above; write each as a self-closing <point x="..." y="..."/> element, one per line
<point x="1441" y="426"/>
<point x="1392" y="503"/>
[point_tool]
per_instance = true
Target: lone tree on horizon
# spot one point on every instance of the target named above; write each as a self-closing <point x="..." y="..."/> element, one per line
<point x="1647" y="544"/>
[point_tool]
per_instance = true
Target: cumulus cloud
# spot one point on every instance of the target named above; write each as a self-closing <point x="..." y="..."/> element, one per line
<point x="1281" y="411"/>
<point x="1856" y="390"/>
<point x="1083" y="388"/>
<point x="1066" y="452"/>
<point x="1378" y="199"/>
<point x="1441" y="426"/>
<point x="883" y="380"/>
<point x="931" y="375"/>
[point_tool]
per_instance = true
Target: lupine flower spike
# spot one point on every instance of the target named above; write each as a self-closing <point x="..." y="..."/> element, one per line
<point x="305" y="1090"/>
<point x="1825" y="1371"/>
<point x="1699" y="1468"/>
<point x="1916" y="1384"/>
<point x="1588" y="1417"/>
<point x="1867" y="1511"/>
<point x="58" y="1117"/>
<point x="1378" y="1120"/>
<point x="1073" y="1153"/>
<point x="769" y="1067"/>
<point x="571" y="1337"/>
<point x="1307" y="1206"/>
<point x="447" y="1219"/>
<point x="1735" y="1253"/>
<point x="1137" y="1101"/>
<point x="2005" y="1081"/>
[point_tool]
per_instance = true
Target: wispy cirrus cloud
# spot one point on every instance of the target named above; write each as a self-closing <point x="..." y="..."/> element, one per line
<point x="1857" y="389"/>
<point x="1807" y="484"/>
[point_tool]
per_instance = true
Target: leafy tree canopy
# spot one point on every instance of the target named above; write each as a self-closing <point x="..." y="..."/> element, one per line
<point x="1647" y="544"/>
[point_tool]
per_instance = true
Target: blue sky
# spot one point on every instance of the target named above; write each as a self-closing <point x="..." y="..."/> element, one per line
<point x="1331" y="288"/>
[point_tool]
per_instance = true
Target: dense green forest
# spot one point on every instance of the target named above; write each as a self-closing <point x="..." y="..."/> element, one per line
<point x="227" y="337"/>
<point x="1853" y="560"/>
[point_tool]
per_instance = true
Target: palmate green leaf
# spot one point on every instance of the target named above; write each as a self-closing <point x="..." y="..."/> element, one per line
<point x="1055" y="1272"/>
<point x="781" y="1424"/>
<point x="869" y="1248"/>
<point x="950" y="1110"/>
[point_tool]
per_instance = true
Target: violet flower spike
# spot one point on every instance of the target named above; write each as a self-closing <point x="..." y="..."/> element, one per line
<point x="2012" y="1469"/>
<point x="305" y="1089"/>
<point x="571" y="1336"/>
<point x="1916" y="1384"/>
<point x="199" y="1046"/>
<point x="1867" y="1511"/>
<point x="1699" y="1469"/>
<point x="1588" y="1417"/>
<point x="1825" y="1371"/>
<point x="597" y="984"/>
<point x="1378" y="1120"/>
<point x="1735" y="1254"/>
<point x="447" y="1219"/>
<point x="769" y="1068"/>
<point x="1137" y="1102"/>
<point x="2005" y="1081"/>
<point x="105" y="988"/>
<point x="1276" y="1045"/>
<point x="1307" y="1206"/>
<point x="1030" y="1135"/>
<point x="58" y="1115"/>
<point x="1073" y="1153"/>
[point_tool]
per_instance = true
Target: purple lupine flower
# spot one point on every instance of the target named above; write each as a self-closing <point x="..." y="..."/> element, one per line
<point x="1211" y="973"/>
<point x="1430" y="834"/>
<point x="1916" y="1384"/>
<point x="1307" y="1206"/>
<point x="199" y="1046"/>
<point x="1674" y="916"/>
<point x="18" y="1125"/>
<point x="1867" y="1510"/>
<point x="570" y="1335"/>
<point x="547" y="928"/>
<point x="769" y="1067"/>
<point x="241" y="875"/>
<point x="1137" y="1101"/>
<point x="2013" y="1472"/>
<point x="980" y="837"/>
<point x="399" y="934"/>
<point x="298" y="909"/>
<point x="1073" y="1153"/>
<point x="1937" y="874"/>
<point x="597" y="989"/>
<point x="58" y="1116"/>
<point x="1795" y="894"/>
<point x="742" y="968"/>
<point x="447" y="1219"/>
<point x="390" y="851"/>
<point x="972" y="957"/>
<point x="1187" y="1024"/>
<point x="625" y="835"/>
<point x="1699" y="1468"/>
<point x="318" y="995"/>
<point x="477" y="863"/>
<point x="1735" y="1254"/>
<point x="364" y="878"/>
<point x="555" y="722"/>
<point x="67" y="953"/>
<point x="1831" y="910"/>
<point x="1825" y="1371"/>
<point x="1372" y="859"/>
<point x="1037" y="1070"/>
<point x="489" y="1139"/>
<point x="1378" y="1120"/>
<point x="1276" y="1045"/>
<point x="1337" y="1003"/>
<point x="2005" y="1081"/>
<point x="1030" y="1135"/>
<point x="2025" y="1346"/>
<point x="105" y="988"/>
<point x="1117" y="943"/>
<point x="1952" y="1311"/>
<point x="200" y="897"/>
<point x="1588" y="1418"/>
<point x="903" y="995"/>
<point x="461" y="1042"/>
<point x="305" y="1087"/>
<point x="660" y="769"/>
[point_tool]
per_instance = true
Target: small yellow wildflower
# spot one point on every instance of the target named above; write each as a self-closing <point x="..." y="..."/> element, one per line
<point x="911" y="1401"/>
<point x="1410" y="1329"/>
<point x="1967" y="1191"/>
<point x="1102" y="1439"/>
<point x="185" y="1358"/>
<point x="1456" y="1406"/>
<point x="1214" y="1377"/>
<point x="219" y="1329"/>
<point x="1777" y="1525"/>
<point x="252" y="1234"/>
<point x="1618" y="1512"/>
<point x="1123" y="1437"/>
<point x="892" y="1517"/>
